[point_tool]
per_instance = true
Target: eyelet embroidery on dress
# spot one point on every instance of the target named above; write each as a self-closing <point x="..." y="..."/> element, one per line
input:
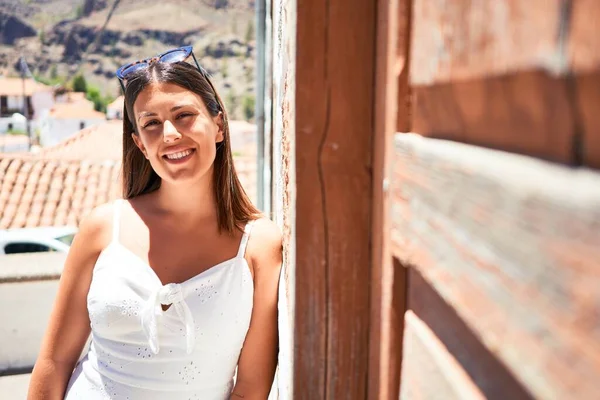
<point x="189" y="372"/>
<point x="116" y="307"/>
<point x="205" y="291"/>
<point x="130" y="308"/>
<point x="144" y="352"/>
<point x="107" y="361"/>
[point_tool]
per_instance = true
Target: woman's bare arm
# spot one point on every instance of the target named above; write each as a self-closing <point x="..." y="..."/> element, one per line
<point x="258" y="359"/>
<point x="69" y="325"/>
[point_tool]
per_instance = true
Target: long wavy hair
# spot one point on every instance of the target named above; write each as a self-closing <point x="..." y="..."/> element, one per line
<point x="234" y="208"/>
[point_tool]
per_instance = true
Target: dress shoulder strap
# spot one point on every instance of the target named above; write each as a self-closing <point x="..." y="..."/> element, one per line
<point x="117" y="219"/>
<point x="245" y="238"/>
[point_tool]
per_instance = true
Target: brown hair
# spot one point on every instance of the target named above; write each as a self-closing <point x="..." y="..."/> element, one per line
<point x="234" y="208"/>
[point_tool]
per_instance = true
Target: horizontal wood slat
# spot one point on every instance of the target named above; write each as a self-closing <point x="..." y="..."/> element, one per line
<point x="512" y="244"/>
<point x="429" y="371"/>
<point x="587" y="102"/>
<point x="528" y="113"/>
<point x="509" y="75"/>
<point x="583" y="40"/>
<point x="465" y="40"/>
<point x="491" y="377"/>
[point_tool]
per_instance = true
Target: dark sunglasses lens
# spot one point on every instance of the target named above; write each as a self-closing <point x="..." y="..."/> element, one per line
<point x="132" y="68"/>
<point x="174" y="56"/>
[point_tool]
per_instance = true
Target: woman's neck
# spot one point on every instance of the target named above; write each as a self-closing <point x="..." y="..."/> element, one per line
<point x="188" y="202"/>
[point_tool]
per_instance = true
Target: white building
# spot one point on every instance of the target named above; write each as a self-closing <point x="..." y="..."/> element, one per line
<point x="14" y="93"/>
<point x="67" y="118"/>
<point x="115" y="109"/>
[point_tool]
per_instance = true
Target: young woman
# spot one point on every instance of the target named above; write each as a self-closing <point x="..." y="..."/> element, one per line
<point x="177" y="282"/>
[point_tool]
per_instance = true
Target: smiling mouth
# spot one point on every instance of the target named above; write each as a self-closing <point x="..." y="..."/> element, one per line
<point x="180" y="155"/>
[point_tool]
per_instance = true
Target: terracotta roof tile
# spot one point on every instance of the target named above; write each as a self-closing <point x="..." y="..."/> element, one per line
<point x="75" y="111"/>
<point x="14" y="87"/>
<point x="41" y="192"/>
<point x="118" y="103"/>
<point x="96" y="143"/>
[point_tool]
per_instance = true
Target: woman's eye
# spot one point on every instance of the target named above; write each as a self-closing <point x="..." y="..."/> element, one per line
<point x="150" y="123"/>
<point x="183" y="115"/>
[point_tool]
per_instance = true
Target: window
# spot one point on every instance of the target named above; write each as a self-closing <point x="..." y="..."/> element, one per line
<point x="25" y="247"/>
<point x="66" y="239"/>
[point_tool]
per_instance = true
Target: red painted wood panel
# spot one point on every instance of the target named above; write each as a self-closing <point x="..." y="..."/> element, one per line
<point x="457" y="40"/>
<point x="510" y="75"/>
<point x="430" y="371"/>
<point x="528" y="113"/>
<point x="334" y="150"/>
<point x="512" y="244"/>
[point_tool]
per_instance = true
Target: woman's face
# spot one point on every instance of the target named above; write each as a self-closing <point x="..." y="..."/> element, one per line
<point x="175" y="132"/>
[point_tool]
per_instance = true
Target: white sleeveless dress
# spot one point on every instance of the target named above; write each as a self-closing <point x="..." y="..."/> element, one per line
<point x="140" y="352"/>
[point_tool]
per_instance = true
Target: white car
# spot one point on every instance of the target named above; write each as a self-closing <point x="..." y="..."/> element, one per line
<point x="30" y="240"/>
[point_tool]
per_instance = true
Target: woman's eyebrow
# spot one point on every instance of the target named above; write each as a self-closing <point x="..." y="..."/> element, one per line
<point x="145" y="114"/>
<point x="179" y="106"/>
<point x="153" y="114"/>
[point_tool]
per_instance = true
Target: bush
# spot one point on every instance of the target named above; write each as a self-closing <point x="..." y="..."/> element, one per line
<point x="16" y="132"/>
<point x="79" y="84"/>
<point x="52" y="81"/>
<point x="100" y="102"/>
<point x="248" y="104"/>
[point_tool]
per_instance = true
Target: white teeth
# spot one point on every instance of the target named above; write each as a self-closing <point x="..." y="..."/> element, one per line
<point x="179" y="155"/>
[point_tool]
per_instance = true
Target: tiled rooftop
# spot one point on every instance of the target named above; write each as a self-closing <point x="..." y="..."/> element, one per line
<point x="80" y="110"/>
<point x="118" y="103"/>
<point x="61" y="184"/>
<point x="95" y="143"/>
<point x="46" y="192"/>
<point x="14" y="87"/>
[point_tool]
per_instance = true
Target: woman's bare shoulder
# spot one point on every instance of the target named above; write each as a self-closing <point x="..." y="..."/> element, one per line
<point x="95" y="229"/>
<point x="266" y="242"/>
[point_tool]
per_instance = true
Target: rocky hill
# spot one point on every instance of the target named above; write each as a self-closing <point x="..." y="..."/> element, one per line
<point x="62" y="38"/>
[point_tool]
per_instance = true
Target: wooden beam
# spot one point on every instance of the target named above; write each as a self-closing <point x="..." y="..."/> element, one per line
<point x="334" y="75"/>
<point x="464" y="40"/>
<point x="584" y="57"/>
<point x="528" y="113"/>
<point x="397" y="328"/>
<point x="383" y="381"/>
<point x="514" y="76"/>
<point x="402" y="67"/>
<point x="431" y="372"/>
<point x="457" y="355"/>
<point x="511" y="244"/>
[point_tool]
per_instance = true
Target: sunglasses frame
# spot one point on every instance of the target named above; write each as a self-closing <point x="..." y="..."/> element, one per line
<point x="188" y="50"/>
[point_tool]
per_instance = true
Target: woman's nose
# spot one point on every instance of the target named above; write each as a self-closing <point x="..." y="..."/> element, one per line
<point x="170" y="134"/>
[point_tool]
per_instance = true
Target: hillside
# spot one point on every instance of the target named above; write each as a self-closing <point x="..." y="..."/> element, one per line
<point x="61" y="38"/>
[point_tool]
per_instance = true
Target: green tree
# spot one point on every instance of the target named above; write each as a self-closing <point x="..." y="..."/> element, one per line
<point x="248" y="104"/>
<point x="79" y="84"/>
<point x="94" y="95"/>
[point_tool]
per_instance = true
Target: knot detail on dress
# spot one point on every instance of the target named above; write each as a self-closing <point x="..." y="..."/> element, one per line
<point x="170" y="294"/>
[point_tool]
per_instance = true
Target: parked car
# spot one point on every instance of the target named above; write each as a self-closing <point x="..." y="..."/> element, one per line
<point x="30" y="240"/>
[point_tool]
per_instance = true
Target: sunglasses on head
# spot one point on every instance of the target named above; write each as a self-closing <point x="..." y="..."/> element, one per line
<point x="172" y="56"/>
